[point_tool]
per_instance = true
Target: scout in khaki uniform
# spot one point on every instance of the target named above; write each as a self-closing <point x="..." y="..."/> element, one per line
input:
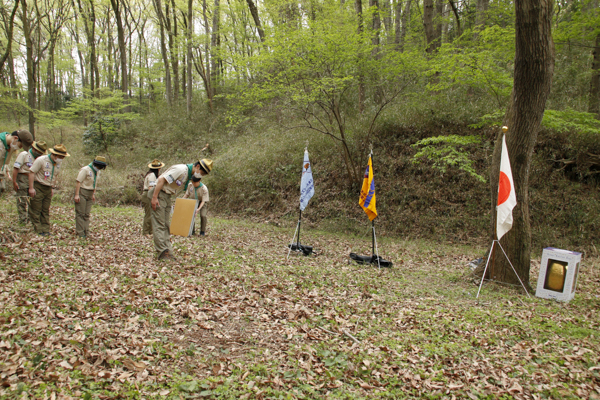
<point x="168" y="184"/>
<point x="198" y="191"/>
<point x="85" y="194"/>
<point x="149" y="182"/>
<point x="42" y="178"/>
<point x="20" y="178"/>
<point x="11" y="143"/>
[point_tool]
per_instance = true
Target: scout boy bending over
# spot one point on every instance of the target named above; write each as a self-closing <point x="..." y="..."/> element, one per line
<point x="169" y="183"/>
<point x="20" y="178"/>
<point x="198" y="191"/>
<point x="9" y="144"/>
<point x="85" y="194"/>
<point x="42" y="180"/>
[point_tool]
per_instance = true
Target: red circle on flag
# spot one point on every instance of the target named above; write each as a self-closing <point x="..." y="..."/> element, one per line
<point x="503" y="188"/>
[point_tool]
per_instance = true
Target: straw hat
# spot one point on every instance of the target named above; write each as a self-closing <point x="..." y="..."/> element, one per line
<point x="59" y="150"/>
<point x="40" y="147"/>
<point x="156" y="164"/>
<point x="100" y="161"/>
<point x="206" y="165"/>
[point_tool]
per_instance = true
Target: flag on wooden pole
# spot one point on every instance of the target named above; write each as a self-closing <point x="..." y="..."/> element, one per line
<point x="307" y="185"/>
<point x="367" y="194"/>
<point x="507" y="198"/>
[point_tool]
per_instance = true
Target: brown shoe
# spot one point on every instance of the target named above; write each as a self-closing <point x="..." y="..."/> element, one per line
<point x="166" y="255"/>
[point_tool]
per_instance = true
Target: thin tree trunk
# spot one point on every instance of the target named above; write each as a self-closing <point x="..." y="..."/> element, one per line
<point x="31" y="80"/>
<point x="9" y="37"/>
<point x="361" y="78"/>
<point x="122" y="50"/>
<point x="215" y="47"/>
<point x="534" y="66"/>
<point x="405" y="23"/>
<point x="190" y="29"/>
<point x="163" y="50"/>
<point x="254" y="12"/>
<point x="171" y="26"/>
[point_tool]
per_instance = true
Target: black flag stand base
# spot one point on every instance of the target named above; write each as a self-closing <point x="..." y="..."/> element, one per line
<point x="511" y="265"/>
<point x="373" y="259"/>
<point x="297" y="247"/>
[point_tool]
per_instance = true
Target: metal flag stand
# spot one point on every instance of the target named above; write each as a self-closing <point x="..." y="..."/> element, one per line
<point x="508" y="259"/>
<point x="374" y="259"/>
<point x="297" y="247"/>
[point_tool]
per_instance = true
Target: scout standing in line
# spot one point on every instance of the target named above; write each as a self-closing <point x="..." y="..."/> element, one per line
<point x="198" y="191"/>
<point x="149" y="183"/>
<point x="42" y="177"/>
<point x="85" y="194"/>
<point x="170" y="183"/>
<point x="10" y="143"/>
<point x="20" y="178"/>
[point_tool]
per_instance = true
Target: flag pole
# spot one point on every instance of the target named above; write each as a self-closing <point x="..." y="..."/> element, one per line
<point x="299" y="224"/>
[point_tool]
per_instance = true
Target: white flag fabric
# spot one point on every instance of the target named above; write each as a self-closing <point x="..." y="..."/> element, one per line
<point x="307" y="185"/>
<point x="507" y="198"/>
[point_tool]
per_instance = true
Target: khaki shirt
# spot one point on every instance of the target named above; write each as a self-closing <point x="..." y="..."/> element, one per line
<point x="175" y="178"/>
<point x="86" y="178"/>
<point x="5" y="153"/>
<point x="201" y="192"/>
<point x="149" y="181"/>
<point x="23" y="162"/>
<point x="45" y="170"/>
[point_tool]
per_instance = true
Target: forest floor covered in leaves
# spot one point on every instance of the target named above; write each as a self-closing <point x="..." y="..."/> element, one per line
<point x="233" y="319"/>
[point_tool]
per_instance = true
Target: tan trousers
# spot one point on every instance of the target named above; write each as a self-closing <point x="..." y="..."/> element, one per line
<point x="82" y="212"/>
<point x="22" y="196"/>
<point x="203" y="219"/>
<point x="39" y="208"/>
<point x="147" y="226"/>
<point x="161" y="222"/>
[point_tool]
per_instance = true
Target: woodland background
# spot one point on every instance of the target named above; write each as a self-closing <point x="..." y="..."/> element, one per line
<point x="425" y="83"/>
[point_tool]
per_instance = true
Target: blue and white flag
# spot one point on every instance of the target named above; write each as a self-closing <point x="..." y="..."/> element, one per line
<point x="307" y="185"/>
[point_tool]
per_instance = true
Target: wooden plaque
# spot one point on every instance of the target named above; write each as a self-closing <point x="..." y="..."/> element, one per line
<point x="182" y="222"/>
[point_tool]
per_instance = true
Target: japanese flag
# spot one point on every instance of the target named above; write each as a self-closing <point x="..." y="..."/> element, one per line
<point x="507" y="198"/>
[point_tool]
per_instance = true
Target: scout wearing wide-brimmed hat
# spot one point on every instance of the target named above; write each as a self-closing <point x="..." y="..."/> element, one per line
<point x="85" y="194"/>
<point x="170" y="182"/>
<point x="149" y="182"/>
<point x="20" y="176"/>
<point x="199" y="192"/>
<point x="42" y="179"/>
<point x="11" y="143"/>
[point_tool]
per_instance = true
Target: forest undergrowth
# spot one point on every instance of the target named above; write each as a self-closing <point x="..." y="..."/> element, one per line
<point x="232" y="318"/>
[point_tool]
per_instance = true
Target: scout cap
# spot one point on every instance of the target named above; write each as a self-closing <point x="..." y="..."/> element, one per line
<point x="40" y="146"/>
<point x="206" y="165"/>
<point x="25" y="137"/>
<point x="59" y="150"/>
<point x="100" y="161"/>
<point x="156" y="164"/>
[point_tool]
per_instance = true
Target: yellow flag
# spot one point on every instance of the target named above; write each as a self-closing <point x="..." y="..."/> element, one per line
<point x="367" y="194"/>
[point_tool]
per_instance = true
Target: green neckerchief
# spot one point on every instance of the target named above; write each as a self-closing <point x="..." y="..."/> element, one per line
<point x="53" y="164"/>
<point x="190" y="167"/>
<point x="95" y="173"/>
<point x="196" y="190"/>
<point x="3" y="139"/>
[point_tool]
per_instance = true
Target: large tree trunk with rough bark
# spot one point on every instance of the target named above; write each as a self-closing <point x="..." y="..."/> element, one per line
<point x="534" y="66"/>
<point x="31" y="68"/>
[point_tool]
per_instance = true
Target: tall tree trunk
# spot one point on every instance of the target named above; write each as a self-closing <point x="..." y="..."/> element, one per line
<point x="215" y="46"/>
<point x="397" y="24"/>
<point x="534" y="66"/>
<point x="361" y="79"/>
<point x="405" y="23"/>
<point x="594" y="101"/>
<point x="481" y="7"/>
<point x="171" y="26"/>
<point x="163" y="50"/>
<point x="207" y="71"/>
<point x="31" y="79"/>
<point x="254" y="12"/>
<point x="116" y="5"/>
<point x="386" y="16"/>
<point x="190" y="29"/>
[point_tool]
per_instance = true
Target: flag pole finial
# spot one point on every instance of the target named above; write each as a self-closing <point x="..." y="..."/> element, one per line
<point x="306" y="147"/>
<point x="504" y="129"/>
<point x="371" y="148"/>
